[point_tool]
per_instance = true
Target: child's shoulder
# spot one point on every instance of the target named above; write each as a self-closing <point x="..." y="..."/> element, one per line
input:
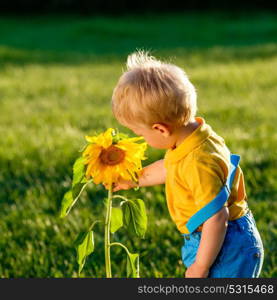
<point x="212" y="153"/>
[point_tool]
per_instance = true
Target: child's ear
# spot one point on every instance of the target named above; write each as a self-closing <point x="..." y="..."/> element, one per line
<point x="162" y="129"/>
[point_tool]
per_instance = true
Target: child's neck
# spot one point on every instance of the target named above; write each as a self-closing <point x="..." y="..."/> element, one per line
<point x="183" y="132"/>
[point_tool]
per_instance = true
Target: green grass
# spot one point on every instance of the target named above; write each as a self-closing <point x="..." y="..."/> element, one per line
<point x="56" y="79"/>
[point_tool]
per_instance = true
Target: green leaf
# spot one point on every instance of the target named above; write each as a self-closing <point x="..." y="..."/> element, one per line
<point x="76" y="189"/>
<point x="79" y="182"/>
<point x="132" y="265"/>
<point x="70" y="198"/>
<point x="78" y="171"/>
<point x="127" y="216"/>
<point x="134" y="217"/>
<point x="66" y="204"/>
<point x="84" y="245"/>
<point x="116" y="219"/>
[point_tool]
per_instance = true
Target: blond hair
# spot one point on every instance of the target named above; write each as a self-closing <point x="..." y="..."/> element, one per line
<point x="151" y="91"/>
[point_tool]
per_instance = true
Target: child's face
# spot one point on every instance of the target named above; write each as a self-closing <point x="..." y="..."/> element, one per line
<point x="158" y="136"/>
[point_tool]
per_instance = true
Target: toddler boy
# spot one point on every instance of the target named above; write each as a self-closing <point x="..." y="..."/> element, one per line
<point x="204" y="183"/>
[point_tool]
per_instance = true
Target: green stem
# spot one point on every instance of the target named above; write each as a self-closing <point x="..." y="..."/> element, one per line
<point x="120" y="197"/>
<point x="77" y="197"/>
<point x="92" y="225"/>
<point x="121" y="245"/>
<point x="107" y="234"/>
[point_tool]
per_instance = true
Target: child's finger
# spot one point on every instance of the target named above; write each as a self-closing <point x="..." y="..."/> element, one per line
<point x="116" y="188"/>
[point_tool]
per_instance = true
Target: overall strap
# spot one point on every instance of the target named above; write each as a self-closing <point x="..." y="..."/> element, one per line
<point x="217" y="203"/>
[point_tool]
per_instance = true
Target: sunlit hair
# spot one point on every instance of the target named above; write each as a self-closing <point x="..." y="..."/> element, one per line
<point x="151" y="91"/>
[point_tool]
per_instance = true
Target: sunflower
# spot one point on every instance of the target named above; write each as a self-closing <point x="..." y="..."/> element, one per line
<point x="110" y="157"/>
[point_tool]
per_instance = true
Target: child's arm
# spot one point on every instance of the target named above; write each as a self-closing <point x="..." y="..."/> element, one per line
<point x="212" y="237"/>
<point x="152" y="174"/>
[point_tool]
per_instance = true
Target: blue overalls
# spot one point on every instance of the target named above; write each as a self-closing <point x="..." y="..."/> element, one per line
<point x="241" y="255"/>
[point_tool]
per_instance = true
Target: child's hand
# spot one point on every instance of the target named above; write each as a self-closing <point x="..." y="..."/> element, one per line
<point x="123" y="185"/>
<point x="196" y="271"/>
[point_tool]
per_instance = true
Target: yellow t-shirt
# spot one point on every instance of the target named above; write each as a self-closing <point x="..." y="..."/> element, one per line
<point x="196" y="170"/>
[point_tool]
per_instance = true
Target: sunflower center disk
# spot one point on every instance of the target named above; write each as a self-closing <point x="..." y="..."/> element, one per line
<point x="112" y="156"/>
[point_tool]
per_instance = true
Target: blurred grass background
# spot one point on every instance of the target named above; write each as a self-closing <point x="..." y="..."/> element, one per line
<point x="57" y="74"/>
